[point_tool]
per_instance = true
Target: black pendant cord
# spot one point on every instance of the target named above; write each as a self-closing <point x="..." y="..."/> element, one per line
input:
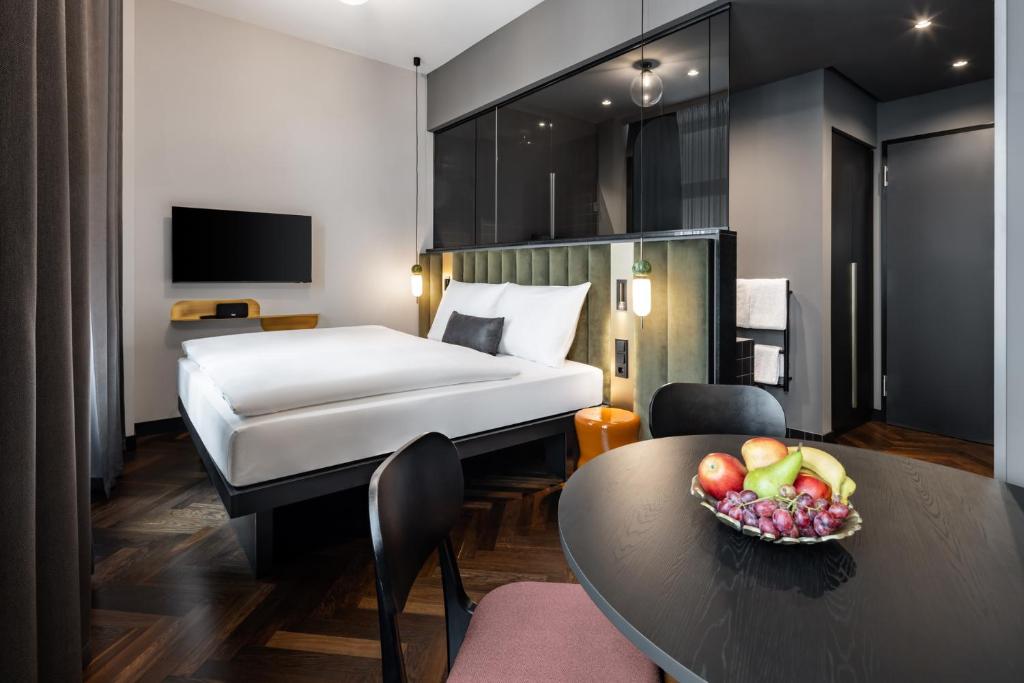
<point x="416" y="129"/>
<point x="640" y="136"/>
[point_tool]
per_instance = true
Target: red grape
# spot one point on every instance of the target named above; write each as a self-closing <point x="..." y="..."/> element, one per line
<point x="724" y="506"/>
<point x="801" y="517"/>
<point x="820" y="504"/>
<point x="766" y="526"/>
<point x="787" y="491"/>
<point x="765" y="508"/>
<point x="733" y="497"/>
<point x="748" y="496"/>
<point x="804" y="500"/>
<point x="749" y="517"/>
<point x="808" y="531"/>
<point x="736" y="513"/>
<point x="782" y="520"/>
<point x="820" y="526"/>
<point x="828" y="520"/>
<point x="791" y="532"/>
<point x="838" y="511"/>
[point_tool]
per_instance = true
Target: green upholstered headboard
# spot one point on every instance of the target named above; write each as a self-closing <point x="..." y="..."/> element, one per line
<point x="688" y="337"/>
<point x="566" y="265"/>
<point x="672" y="344"/>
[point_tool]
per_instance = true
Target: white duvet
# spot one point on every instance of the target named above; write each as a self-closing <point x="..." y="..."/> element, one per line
<point x="269" y="372"/>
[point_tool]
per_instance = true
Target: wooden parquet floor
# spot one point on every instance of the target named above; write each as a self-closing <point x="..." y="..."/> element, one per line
<point x="174" y="599"/>
<point x="943" y="450"/>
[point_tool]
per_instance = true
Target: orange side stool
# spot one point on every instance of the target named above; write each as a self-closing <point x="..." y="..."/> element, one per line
<point x="602" y="429"/>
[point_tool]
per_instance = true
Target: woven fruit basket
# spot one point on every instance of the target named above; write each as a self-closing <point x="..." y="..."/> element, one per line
<point x="851" y="525"/>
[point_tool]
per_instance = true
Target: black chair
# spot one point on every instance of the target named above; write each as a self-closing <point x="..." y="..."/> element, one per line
<point x="519" y="631"/>
<point x="681" y="409"/>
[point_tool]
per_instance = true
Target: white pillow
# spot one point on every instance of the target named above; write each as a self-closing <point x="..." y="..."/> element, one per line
<point x="468" y="298"/>
<point x="540" y="321"/>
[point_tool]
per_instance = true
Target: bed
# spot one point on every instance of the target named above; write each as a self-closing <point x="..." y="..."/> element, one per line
<point x="283" y="417"/>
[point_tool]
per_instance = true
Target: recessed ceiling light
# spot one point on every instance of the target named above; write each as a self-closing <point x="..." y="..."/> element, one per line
<point x="606" y="102"/>
<point x="693" y="72"/>
<point x="960" y="63"/>
<point x="541" y="124"/>
<point x="923" y="24"/>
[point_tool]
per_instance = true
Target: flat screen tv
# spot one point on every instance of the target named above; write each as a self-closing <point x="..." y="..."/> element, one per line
<point x="212" y="245"/>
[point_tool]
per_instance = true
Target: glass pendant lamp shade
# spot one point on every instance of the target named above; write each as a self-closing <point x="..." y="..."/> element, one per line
<point x="642" y="288"/>
<point x="646" y="89"/>
<point x="416" y="281"/>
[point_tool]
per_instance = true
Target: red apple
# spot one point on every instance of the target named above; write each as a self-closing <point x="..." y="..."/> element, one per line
<point x="812" y="486"/>
<point x="762" y="451"/>
<point x="720" y="473"/>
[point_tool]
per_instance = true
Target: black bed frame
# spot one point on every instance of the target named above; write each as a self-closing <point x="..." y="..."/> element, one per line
<point x="252" y="508"/>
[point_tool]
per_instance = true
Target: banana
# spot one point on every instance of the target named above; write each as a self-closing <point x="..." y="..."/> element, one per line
<point x="824" y="466"/>
<point x="847" y="489"/>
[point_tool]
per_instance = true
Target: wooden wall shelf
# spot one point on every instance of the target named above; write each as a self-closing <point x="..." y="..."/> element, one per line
<point x="193" y="310"/>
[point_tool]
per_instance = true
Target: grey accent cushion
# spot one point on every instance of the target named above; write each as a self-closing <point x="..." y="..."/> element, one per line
<point x="482" y="334"/>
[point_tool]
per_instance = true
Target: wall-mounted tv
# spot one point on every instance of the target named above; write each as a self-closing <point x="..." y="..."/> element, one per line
<point x="212" y="245"/>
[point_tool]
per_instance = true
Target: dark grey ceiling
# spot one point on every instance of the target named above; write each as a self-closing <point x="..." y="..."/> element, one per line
<point x="871" y="42"/>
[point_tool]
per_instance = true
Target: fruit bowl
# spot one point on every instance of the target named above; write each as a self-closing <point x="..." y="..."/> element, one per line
<point x="849" y="527"/>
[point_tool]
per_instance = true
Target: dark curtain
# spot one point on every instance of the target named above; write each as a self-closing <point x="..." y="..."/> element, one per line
<point x="685" y="167"/>
<point x="58" y="180"/>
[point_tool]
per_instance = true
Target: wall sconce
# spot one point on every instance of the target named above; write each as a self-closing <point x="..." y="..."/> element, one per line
<point x="620" y="295"/>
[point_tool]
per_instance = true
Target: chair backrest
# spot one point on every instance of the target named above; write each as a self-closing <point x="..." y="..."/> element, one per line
<point x="415" y="500"/>
<point x="681" y="409"/>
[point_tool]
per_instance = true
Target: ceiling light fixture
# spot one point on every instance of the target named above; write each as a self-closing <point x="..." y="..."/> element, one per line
<point x="923" y="24"/>
<point x="642" y="267"/>
<point x="541" y="124"/>
<point x="960" y="63"/>
<point x="646" y="89"/>
<point x="692" y="72"/>
<point x="606" y="102"/>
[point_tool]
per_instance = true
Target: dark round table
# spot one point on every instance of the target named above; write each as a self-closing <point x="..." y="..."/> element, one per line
<point x="932" y="588"/>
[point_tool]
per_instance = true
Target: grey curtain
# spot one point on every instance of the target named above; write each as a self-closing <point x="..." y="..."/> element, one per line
<point x="59" y="176"/>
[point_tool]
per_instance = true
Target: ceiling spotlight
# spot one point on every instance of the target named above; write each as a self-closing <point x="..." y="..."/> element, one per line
<point x="692" y="72"/>
<point x="541" y="124"/>
<point x="960" y="63"/>
<point x="923" y="24"/>
<point x="606" y="102"/>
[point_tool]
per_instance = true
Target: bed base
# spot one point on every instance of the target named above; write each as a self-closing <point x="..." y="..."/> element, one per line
<point x="251" y="508"/>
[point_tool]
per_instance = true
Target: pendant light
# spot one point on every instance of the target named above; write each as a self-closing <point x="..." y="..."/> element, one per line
<point x="647" y="88"/>
<point x="416" y="277"/>
<point x="642" y="268"/>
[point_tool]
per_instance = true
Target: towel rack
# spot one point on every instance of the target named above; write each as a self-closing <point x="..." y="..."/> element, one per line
<point x="786" y="377"/>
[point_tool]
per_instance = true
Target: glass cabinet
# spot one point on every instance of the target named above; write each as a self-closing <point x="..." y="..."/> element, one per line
<point x="639" y="139"/>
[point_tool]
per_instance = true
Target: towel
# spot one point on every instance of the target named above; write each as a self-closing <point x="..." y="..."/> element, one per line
<point x="768" y="364"/>
<point x="742" y="304"/>
<point x="767" y="301"/>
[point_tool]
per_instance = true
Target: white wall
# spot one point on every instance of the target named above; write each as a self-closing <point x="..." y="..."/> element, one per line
<point x="229" y="115"/>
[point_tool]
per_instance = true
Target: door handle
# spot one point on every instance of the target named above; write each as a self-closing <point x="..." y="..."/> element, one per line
<point x="551" y="203"/>
<point x="853" y="335"/>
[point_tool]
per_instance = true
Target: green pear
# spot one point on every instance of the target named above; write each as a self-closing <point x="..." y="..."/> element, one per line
<point x="765" y="481"/>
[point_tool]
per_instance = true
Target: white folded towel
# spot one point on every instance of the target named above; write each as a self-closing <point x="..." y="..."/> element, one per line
<point x="767" y="301"/>
<point x="768" y="364"/>
<point x="742" y="304"/>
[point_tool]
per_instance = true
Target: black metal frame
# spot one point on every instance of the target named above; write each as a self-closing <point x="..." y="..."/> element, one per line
<point x="252" y="507"/>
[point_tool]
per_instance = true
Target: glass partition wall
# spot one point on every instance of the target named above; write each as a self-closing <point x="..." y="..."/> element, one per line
<point x="568" y="160"/>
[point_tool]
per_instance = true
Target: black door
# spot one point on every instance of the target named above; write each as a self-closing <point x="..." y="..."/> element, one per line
<point x="852" y="352"/>
<point x="938" y="251"/>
